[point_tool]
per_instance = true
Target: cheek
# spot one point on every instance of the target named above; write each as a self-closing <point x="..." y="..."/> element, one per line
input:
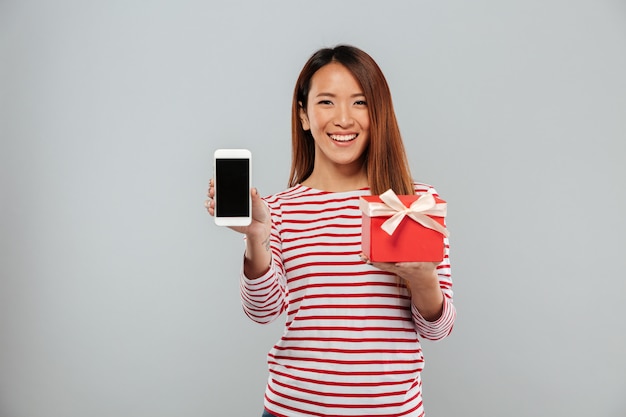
<point x="317" y="121"/>
<point x="364" y="120"/>
<point x="365" y="123"/>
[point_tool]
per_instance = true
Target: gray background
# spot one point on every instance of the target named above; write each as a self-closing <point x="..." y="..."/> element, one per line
<point x="119" y="296"/>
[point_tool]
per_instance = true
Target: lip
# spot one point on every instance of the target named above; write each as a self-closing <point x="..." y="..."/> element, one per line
<point x="343" y="137"/>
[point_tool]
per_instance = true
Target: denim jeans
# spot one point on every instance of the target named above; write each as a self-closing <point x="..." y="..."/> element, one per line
<point x="267" y="414"/>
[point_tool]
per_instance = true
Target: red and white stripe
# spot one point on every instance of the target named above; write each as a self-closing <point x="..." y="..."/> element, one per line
<point x="351" y="341"/>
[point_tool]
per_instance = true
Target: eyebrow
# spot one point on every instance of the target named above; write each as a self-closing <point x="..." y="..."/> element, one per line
<point x="334" y="95"/>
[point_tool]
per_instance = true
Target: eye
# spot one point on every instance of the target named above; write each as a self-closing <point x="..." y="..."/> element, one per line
<point x="360" y="103"/>
<point x="325" y="102"/>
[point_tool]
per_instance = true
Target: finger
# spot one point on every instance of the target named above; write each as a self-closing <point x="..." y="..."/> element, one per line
<point x="207" y="206"/>
<point x="258" y="205"/>
<point x="421" y="265"/>
<point x="387" y="266"/>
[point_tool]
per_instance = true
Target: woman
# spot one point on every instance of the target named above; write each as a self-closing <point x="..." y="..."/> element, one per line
<point x="351" y="341"/>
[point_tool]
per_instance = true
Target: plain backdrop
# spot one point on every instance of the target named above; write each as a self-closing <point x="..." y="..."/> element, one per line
<point x="119" y="297"/>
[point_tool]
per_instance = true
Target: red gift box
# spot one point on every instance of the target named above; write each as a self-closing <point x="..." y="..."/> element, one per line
<point x="403" y="228"/>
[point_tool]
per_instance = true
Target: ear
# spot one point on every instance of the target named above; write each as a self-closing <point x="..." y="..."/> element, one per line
<point x="304" y="119"/>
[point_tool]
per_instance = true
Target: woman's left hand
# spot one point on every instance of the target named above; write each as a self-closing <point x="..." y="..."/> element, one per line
<point x="416" y="274"/>
<point x="422" y="282"/>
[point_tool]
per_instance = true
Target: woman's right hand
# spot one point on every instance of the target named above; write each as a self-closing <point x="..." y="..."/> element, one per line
<point x="257" y="258"/>
<point x="261" y="222"/>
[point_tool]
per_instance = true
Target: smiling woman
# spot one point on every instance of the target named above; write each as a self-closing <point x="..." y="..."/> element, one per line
<point x="365" y="86"/>
<point x="337" y="118"/>
<point x="351" y="341"/>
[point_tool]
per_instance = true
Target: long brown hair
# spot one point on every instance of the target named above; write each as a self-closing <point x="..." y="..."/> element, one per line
<point x="385" y="157"/>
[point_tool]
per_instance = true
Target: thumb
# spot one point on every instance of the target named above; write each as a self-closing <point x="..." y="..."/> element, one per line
<point x="259" y="207"/>
<point x="256" y="197"/>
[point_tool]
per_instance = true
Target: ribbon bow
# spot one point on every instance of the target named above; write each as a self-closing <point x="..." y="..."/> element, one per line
<point x="419" y="210"/>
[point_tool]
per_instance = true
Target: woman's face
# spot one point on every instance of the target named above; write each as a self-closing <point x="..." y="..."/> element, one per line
<point x="337" y="116"/>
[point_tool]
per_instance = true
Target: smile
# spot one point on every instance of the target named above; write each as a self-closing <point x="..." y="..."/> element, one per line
<point x="343" y="138"/>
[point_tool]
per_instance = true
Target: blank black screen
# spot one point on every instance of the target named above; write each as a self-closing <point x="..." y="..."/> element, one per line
<point x="233" y="188"/>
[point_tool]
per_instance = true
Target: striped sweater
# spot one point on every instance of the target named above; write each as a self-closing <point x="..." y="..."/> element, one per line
<point x="350" y="346"/>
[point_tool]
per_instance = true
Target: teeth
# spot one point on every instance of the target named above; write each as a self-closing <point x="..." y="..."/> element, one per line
<point x="342" y="138"/>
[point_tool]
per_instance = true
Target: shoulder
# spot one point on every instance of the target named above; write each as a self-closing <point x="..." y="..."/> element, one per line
<point x="423" y="188"/>
<point x="300" y="197"/>
<point x="295" y="196"/>
<point x="291" y="194"/>
<point x="301" y="193"/>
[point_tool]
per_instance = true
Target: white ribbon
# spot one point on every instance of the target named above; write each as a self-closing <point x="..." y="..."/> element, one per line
<point x="418" y="210"/>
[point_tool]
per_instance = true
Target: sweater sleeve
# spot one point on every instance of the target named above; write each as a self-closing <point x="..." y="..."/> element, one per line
<point x="264" y="299"/>
<point x="442" y="327"/>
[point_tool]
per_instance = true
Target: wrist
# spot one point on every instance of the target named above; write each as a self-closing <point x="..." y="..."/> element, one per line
<point x="428" y="303"/>
<point x="258" y="235"/>
<point x="423" y="282"/>
<point x="257" y="258"/>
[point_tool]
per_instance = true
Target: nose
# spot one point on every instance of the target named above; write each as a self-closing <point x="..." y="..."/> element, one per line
<point x="343" y="116"/>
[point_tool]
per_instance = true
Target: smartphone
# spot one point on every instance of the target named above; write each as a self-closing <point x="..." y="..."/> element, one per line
<point x="232" y="175"/>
